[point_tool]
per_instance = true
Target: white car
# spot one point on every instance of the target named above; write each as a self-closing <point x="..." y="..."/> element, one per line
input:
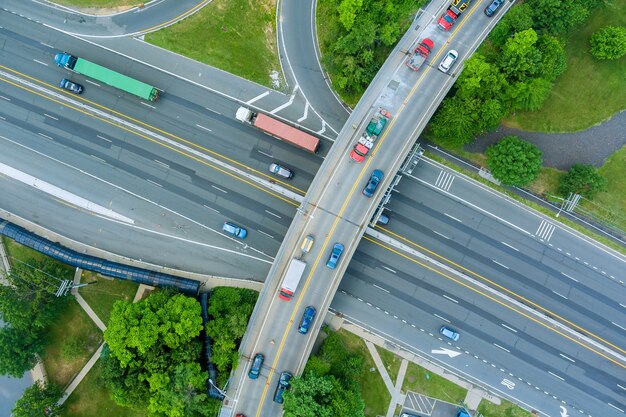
<point x="281" y="171"/>
<point x="448" y="61"/>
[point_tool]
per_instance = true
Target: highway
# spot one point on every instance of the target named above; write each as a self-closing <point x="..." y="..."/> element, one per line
<point x="176" y="202"/>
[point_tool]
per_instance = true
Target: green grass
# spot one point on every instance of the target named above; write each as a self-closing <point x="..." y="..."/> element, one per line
<point x="373" y="389"/>
<point x="92" y="399"/>
<point x="590" y="91"/>
<point x="238" y="36"/>
<point x="102" y="295"/>
<point x="612" y="203"/>
<point x="425" y="382"/>
<point x="17" y="252"/>
<point x="391" y="361"/>
<point x="73" y="326"/>
<point x="505" y="409"/>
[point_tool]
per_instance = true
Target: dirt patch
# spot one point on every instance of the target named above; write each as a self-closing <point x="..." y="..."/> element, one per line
<point x="97" y="11"/>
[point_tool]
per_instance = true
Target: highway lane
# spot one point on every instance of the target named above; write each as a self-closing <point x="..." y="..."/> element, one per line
<point x="114" y="24"/>
<point x="410" y="295"/>
<point x="532" y="271"/>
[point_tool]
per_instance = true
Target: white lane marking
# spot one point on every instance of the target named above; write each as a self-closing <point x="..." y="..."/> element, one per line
<point x="211" y="208"/>
<point x="452" y="217"/>
<point x="438" y="316"/>
<point x="508" y="327"/>
<point x="264" y="153"/>
<point x="512" y="247"/>
<point x="442" y="235"/>
<point x="266" y="234"/>
<point x="624" y="388"/>
<point x="288" y="103"/>
<point x="567" y="357"/>
<point x="148" y="105"/>
<point x="153" y="182"/>
<point x="5" y="98"/>
<point x="622" y="305"/>
<point x="560" y="295"/>
<point x="98" y="158"/>
<point x="381" y="288"/>
<point x="273" y="214"/>
<point x="504" y="349"/>
<point x="103" y="138"/>
<point x="556" y="376"/>
<point x="572" y="278"/>
<point x="205" y="128"/>
<point x="44" y="135"/>
<point x="323" y="129"/>
<point x="163" y="164"/>
<point x="615" y="324"/>
<point x="49" y="46"/>
<point x="450" y="298"/>
<point x="39" y="62"/>
<point x="219" y="189"/>
<point x="52" y="117"/>
<point x="213" y="111"/>
<point x="259" y="97"/>
<point x="617" y="408"/>
<point x="91" y="82"/>
<point x="306" y="112"/>
<point x="502" y="265"/>
<point x="389" y="269"/>
<point x="2" y="118"/>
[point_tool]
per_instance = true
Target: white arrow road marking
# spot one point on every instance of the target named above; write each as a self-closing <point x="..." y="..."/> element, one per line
<point x="444" y="351"/>
<point x="564" y="412"/>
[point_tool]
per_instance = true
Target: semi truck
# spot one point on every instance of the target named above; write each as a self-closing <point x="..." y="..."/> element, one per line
<point x="278" y="129"/>
<point x="292" y="279"/>
<point x="420" y="54"/>
<point x="107" y="76"/>
<point x="374" y="128"/>
<point x="452" y="13"/>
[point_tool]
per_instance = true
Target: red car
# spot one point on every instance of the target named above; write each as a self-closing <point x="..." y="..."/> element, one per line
<point x="359" y="152"/>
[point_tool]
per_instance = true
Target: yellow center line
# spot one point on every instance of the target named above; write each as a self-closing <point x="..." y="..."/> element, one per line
<point x="154" y="128"/>
<point x="502" y="303"/>
<point x="148" y="138"/>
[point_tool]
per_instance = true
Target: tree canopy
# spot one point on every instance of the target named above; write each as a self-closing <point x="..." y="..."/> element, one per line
<point x="152" y="356"/>
<point x="582" y="179"/>
<point x="514" y="161"/>
<point x="27" y="306"/>
<point x="38" y="401"/>
<point x="609" y="42"/>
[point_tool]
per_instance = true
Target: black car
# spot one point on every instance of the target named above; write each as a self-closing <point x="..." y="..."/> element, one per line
<point x="283" y="385"/>
<point x="71" y="86"/>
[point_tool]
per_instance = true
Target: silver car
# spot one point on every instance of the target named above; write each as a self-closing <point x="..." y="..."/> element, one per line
<point x="448" y="61"/>
<point x="281" y="171"/>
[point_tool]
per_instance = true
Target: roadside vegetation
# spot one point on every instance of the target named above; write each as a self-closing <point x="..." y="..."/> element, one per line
<point x="506" y="408"/>
<point x="100" y="4"/>
<point x="230" y="35"/>
<point x="356" y="37"/>
<point x="590" y="90"/>
<point x="103" y="292"/>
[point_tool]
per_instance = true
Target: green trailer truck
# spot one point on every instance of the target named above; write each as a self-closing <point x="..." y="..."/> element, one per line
<point x="107" y="76"/>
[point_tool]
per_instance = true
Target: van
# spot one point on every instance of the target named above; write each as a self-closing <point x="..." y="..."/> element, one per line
<point x="307" y="244"/>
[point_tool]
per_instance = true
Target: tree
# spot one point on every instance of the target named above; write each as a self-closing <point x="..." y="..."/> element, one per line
<point x="514" y="161"/>
<point x="529" y="95"/>
<point x="557" y="16"/>
<point x="38" y="401"/>
<point x="324" y="396"/>
<point x="609" y="42"/>
<point x="553" y="60"/>
<point x="348" y="9"/>
<point x="518" y="18"/>
<point x="152" y="355"/>
<point x="27" y="306"/>
<point x="520" y="58"/>
<point x="582" y="179"/>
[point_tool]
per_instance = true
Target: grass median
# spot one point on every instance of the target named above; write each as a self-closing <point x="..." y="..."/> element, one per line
<point x="230" y="35"/>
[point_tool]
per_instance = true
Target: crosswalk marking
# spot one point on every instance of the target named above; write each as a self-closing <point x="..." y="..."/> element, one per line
<point x="545" y="230"/>
<point x="444" y="180"/>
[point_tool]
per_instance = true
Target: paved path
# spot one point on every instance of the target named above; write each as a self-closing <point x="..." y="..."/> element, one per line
<point x="562" y="150"/>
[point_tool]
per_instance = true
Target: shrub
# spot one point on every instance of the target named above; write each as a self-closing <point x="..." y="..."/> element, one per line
<point x="609" y="42"/>
<point x="582" y="179"/>
<point x="514" y="161"/>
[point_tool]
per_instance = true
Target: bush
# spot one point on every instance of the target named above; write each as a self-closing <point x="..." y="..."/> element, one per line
<point x="514" y="161"/>
<point x="609" y="42"/>
<point x="582" y="179"/>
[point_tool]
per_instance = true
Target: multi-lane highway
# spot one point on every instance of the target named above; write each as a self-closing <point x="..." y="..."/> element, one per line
<point x="167" y="175"/>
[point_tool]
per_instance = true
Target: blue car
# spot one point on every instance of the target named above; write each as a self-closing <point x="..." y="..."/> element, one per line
<point x="449" y="333"/>
<point x="493" y="7"/>
<point x="283" y="385"/>
<point x="307" y="319"/>
<point x="370" y="188"/>
<point x="255" y="368"/>
<point x="233" y="229"/>
<point x="335" y="255"/>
